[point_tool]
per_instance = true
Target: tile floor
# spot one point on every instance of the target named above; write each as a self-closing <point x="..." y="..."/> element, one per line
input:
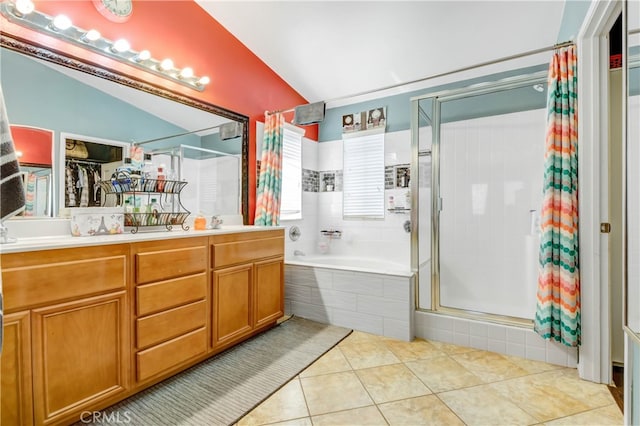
<point x="373" y="380"/>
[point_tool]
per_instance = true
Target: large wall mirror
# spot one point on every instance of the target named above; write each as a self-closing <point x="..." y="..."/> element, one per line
<point x="95" y="115"/>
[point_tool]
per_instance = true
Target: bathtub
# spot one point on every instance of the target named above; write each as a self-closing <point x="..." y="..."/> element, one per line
<point x="364" y="294"/>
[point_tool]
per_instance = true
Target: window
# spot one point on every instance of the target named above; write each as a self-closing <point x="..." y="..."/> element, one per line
<point x="363" y="180"/>
<point x="291" y="201"/>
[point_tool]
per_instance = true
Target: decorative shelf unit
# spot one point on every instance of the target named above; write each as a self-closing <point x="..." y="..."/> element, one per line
<point x="167" y="191"/>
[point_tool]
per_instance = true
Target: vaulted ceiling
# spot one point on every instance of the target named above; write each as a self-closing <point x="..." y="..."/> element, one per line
<point x="329" y="50"/>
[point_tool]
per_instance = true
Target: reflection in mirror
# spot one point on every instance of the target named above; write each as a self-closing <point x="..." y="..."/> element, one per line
<point x="632" y="294"/>
<point x="214" y="177"/>
<point x="34" y="151"/>
<point x="47" y="90"/>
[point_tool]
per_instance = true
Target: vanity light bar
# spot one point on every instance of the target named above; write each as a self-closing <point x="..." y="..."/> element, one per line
<point x="91" y="39"/>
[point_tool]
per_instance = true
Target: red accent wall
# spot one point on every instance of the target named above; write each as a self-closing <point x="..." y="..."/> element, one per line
<point x="35" y="144"/>
<point x="184" y="32"/>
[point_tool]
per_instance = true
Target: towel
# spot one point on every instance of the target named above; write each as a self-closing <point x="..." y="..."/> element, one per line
<point x="11" y="189"/>
<point x="12" y="199"/>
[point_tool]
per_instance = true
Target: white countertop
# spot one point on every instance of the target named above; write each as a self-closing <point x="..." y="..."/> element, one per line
<point x="25" y="244"/>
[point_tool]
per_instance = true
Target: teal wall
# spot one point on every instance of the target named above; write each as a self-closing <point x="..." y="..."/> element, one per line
<point x="572" y="18"/>
<point x="36" y="95"/>
<point x="398" y="106"/>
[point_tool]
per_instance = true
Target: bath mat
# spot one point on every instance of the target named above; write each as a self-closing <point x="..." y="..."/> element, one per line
<point x="222" y="389"/>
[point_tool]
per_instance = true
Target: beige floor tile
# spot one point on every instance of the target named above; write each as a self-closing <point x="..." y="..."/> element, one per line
<point x="540" y="397"/>
<point x="605" y="416"/>
<point x="368" y="354"/>
<point x="424" y="410"/>
<point x="331" y="362"/>
<point x="449" y="348"/>
<point x="489" y="366"/>
<point x="593" y="395"/>
<point x="334" y="392"/>
<point x="532" y="366"/>
<point x="359" y="337"/>
<point x="391" y="383"/>
<point x="443" y="374"/>
<point x="411" y="351"/>
<point x="358" y="416"/>
<point x="305" y="421"/>
<point x="287" y="403"/>
<point x="480" y="405"/>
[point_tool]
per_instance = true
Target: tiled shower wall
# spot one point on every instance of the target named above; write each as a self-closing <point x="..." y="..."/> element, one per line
<point x="322" y="205"/>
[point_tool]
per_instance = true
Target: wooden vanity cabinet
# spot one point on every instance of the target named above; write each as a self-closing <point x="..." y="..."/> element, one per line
<point x="16" y="373"/>
<point x="247" y="284"/>
<point x="171" y="305"/>
<point x="87" y="327"/>
<point x="67" y="332"/>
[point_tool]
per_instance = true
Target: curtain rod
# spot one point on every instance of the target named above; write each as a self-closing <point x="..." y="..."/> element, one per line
<point x="175" y="136"/>
<point x="467" y="68"/>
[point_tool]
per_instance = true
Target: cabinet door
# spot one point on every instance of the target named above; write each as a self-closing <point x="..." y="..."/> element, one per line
<point x="80" y="355"/>
<point x="269" y="291"/>
<point x="232" y="311"/>
<point x="16" y="391"/>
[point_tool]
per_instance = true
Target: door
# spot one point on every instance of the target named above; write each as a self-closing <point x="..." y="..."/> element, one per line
<point x="269" y="291"/>
<point x="75" y="366"/>
<point x="16" y="390"/>
<point x="232" y="304"/>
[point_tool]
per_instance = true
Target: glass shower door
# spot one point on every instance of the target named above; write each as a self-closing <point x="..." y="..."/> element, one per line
<point x="422" y="262"/>
<point x="490" y="157"/>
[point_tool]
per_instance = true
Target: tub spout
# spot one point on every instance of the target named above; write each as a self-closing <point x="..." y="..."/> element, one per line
<point x="298" y="253"/>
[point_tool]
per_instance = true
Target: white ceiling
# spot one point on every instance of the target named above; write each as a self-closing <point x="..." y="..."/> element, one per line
<point x="332" y="50"/>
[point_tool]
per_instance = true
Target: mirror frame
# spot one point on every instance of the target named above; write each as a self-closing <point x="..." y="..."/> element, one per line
<point x="31" y="49"/>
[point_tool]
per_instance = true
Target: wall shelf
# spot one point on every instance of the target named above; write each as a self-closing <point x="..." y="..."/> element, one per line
<point x="172" y="211"/>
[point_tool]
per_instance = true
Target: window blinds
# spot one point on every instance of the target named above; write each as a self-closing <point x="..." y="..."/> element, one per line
<point x="291" y="198"/>
<point x="363" y="180"/>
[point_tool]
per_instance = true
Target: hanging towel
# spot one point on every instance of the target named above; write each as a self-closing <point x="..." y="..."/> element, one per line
<point x="12" y="199"/>
<point x="11" y="187"/>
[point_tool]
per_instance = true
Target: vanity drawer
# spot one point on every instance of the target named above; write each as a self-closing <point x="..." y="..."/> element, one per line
<point x="232" y="253"/>
<point x="169" y="324"/>
<point x="166" y="355"/>
<point x="162" y="295"/>
<point x="170" y="263"/>
<point x="42" y="277"/>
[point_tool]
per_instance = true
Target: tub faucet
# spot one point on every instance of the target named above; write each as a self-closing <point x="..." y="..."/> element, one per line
<point x="298" y="253"/>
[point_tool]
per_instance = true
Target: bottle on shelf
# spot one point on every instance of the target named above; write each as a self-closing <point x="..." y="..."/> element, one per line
<point x="160" y="178"/>
<point x="128" y="209"/>
<point x="154" y="209"/>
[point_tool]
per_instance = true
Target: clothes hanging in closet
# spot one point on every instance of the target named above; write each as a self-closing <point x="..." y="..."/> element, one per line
<point x="82" y="187"/>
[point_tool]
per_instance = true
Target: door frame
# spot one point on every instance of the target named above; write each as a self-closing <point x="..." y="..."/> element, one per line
<point x="593" y="127"/>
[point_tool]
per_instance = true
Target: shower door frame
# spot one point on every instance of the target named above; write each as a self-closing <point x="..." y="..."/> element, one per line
<point x="436" y="201"/>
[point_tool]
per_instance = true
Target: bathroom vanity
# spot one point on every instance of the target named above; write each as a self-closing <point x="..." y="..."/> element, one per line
<point x="91" y="321"/>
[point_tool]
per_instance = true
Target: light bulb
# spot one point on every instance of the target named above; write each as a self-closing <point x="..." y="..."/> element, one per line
<point x="18" y="154"/>
<point x="91" y="35"/>
<point x="166" y="65"/>
<point x="61" y="22"/>
<point x="143" y="55"/>
<point x="25" y="7"/>
<point x="204" y="80"/>
<point x="121" y="45"/>
<point x="186" y="72"/>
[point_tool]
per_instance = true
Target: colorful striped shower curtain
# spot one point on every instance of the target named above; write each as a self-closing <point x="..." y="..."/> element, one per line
<point x="270" y="180"/>
<point x="558" y="305"/>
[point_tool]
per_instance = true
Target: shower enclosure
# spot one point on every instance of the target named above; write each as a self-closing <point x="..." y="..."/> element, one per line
<point x="214" y="178"/>
<point x="478" y="153"/>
